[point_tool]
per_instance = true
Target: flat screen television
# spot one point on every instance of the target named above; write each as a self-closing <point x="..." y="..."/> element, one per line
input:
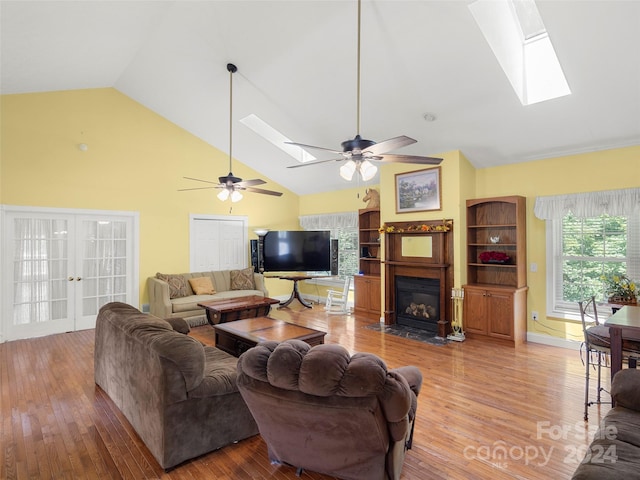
<point x="297" y="251"/>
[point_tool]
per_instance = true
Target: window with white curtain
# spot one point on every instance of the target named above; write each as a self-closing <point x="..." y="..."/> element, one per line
<point x="588" y="235"/>
<point x="344" y="228"/>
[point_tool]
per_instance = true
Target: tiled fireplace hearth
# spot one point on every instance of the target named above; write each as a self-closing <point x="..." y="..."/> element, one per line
<point x="419" y="275"/>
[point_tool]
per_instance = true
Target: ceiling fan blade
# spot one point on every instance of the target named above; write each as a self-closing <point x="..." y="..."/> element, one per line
<point x="391" y="144"/>
<point x="391" y="157"/>
<point x="249" y="183"/>
<point x="263" y="191"/>
<point x="302" y="145"/>
<point x="199" y="188"/>
<point x="199" y="180"/>
<point x="306" y="164"/>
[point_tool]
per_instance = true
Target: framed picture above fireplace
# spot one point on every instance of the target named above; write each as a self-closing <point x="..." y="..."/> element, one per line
<point x="418" y="191"/>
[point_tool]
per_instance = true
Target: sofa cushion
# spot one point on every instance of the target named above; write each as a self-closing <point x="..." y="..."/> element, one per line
<point x="625" y="389"/>
<point x="178" y="286"/>
<point x="242" y="279"/>
<point x="202" y="286"/>
<point x="220" y="370"/>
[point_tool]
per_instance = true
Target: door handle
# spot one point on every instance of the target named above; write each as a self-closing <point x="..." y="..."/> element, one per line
<point x="70" y="279"/>
<point x="79" y="278"/>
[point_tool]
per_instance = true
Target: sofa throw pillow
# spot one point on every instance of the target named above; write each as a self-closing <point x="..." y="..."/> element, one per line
<point x="202" y="286"/>
<point x="178" y="286"/>
<point x="242" y="279"/>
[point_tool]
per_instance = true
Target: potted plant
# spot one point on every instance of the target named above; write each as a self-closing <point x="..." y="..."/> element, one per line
<point x="620" y="289"/>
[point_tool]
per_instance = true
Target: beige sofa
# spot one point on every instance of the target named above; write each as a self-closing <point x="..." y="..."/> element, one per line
<point x="173" y="297"/>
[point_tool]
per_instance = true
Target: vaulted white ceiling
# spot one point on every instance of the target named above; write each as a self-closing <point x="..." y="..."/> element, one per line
<point x="297" y="71"/>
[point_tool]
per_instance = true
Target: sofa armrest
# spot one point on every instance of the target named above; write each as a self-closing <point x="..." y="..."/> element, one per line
<point x="625" y="388"/>
<point x="179" y="325"/>
<point x="159" y="304"/>
<point x="259" y="281"/>
<point x="412" y="375"/>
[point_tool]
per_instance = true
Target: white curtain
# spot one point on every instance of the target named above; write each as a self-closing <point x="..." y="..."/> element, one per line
<point x="587" y="205"/>
<point x="329" y="221"/>
<point x="39" y="266"/>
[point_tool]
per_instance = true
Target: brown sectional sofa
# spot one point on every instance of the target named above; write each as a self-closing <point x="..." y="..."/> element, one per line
<point x="164" y="304"/>
<point x="614" y="454"/>
<point x="180" y="397"/>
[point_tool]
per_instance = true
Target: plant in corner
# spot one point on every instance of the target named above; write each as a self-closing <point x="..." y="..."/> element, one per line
<point x="494" y="257"/>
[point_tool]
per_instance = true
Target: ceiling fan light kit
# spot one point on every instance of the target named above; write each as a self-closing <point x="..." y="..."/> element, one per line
<point x="359" y="152"/>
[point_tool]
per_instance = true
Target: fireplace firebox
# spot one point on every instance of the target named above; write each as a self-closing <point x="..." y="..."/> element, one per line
<point x="418" y="302"/>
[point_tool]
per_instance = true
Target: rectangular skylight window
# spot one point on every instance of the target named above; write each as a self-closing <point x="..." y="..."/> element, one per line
<point x="519" y="40"/>
<point x="269" y="133"/>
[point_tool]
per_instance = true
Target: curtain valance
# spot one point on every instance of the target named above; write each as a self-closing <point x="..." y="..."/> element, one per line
<point x="329" y="221"/>
<point x="589" y="204"/>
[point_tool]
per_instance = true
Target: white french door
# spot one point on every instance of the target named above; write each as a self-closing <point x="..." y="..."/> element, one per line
<point x="60" y="267"/>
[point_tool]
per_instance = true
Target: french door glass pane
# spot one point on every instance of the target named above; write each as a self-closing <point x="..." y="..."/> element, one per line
<point x="104" y="262"/>
<point x="39" y="267"/>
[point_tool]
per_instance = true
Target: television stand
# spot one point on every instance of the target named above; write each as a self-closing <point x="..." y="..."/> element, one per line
<point x="295" y="293"/>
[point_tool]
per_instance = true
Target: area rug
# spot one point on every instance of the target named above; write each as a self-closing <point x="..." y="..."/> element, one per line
<point x="408" y="332"/>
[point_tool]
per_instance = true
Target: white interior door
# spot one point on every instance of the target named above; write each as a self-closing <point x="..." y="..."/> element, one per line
<point x="218" y="243"/>
<point x="61" y="266"/>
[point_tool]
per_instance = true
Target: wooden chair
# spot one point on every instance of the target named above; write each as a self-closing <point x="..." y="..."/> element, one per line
<point x="337" y="301"/>
<point x="597" y="350"/>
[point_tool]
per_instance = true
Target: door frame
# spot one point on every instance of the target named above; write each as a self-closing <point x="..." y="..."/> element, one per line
<point x="135" y="260"/>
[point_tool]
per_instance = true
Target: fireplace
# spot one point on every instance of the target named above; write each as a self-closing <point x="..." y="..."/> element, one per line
<point x="419" y="275"/>
<point x="418" y="302"/>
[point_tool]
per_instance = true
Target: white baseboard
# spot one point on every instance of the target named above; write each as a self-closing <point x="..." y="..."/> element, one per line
<point x="553" y="341"/>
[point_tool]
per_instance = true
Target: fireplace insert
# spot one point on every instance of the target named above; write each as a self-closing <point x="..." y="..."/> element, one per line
<point x="418" y="302"/>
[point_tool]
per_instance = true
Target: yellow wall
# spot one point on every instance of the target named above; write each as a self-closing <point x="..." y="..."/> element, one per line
<point x="135" y="162"/>
<point x="604" y="170"/>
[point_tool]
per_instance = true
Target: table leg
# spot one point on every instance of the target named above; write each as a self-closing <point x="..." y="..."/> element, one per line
<point x="295" y="294"/>
<point x="615" y="336"/>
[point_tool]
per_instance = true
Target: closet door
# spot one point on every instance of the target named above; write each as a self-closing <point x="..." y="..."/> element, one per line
<point x="218" y="243"/>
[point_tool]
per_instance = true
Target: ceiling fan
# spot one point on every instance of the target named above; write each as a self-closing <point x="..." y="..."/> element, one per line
<point x="230" y="185"/>
<point x="359" y="152"/>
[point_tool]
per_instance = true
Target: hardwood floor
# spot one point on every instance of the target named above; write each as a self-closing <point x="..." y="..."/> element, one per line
<point x="485" y="411"/>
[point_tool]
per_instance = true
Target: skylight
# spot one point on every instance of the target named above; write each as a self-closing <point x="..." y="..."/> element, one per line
<point x="519" y="40"/>
<point x="269" y="133"/>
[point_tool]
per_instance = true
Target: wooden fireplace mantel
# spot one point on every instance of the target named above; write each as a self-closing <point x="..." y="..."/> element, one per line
<point x="405" y="256"/>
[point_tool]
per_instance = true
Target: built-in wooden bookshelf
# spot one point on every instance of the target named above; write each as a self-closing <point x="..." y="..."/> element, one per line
<point x="367" y="283"/>
<point x="495" y="301"/>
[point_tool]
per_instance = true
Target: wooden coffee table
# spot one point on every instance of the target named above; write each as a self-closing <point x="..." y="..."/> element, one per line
<point x="230" y="309"/>
<point x="239" y="336"/>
